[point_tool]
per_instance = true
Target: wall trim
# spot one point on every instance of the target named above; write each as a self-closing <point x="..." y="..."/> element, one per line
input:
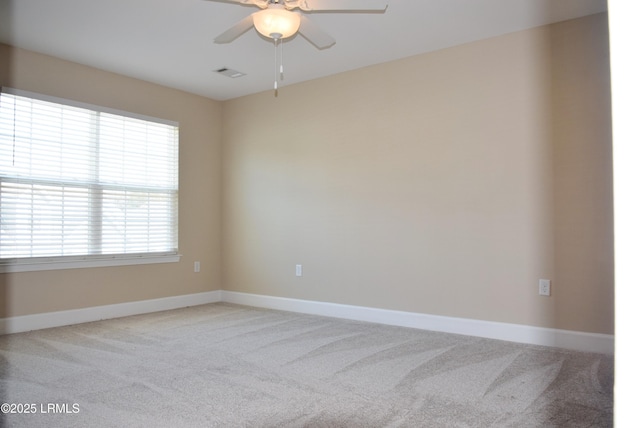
<point x="78" y="316"/>
<point x="567" y="339"/>
<point x="575" y="340"/>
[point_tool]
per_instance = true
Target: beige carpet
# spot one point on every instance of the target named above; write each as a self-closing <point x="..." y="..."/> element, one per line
<point x="223" y="365"/>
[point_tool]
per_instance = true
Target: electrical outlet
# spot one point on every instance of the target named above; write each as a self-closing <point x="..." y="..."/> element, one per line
<point x="544" y="287"/>
<point x="196" y="266"/>
<point x="298" y="270"/>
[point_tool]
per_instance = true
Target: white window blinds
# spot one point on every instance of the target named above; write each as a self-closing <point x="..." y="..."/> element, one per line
<point x="78" y="180"/>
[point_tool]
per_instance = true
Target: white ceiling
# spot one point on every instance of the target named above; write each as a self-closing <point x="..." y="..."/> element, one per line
<point x="170" y="42"/>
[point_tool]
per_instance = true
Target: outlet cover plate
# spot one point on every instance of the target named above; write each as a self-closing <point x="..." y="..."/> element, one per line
<point x="544" y="287"/>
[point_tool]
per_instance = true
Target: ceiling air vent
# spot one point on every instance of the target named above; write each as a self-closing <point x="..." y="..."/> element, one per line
<point x="230" y="72"/>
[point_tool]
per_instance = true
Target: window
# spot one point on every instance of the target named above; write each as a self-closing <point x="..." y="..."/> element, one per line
<point x="80" y="183"/>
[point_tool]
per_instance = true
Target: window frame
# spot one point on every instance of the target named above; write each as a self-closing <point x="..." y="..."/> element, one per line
<point x="28" y="264"/>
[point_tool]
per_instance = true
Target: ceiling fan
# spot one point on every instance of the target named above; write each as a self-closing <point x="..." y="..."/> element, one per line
<point x="277" y="19"/>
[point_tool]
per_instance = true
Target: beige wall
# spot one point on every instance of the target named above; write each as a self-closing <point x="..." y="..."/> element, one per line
<point x="200" y="188"/>
<point x="446" y="183"/>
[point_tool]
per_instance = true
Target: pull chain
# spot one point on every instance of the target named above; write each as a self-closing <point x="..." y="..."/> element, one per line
<point x="278" y="68"/>
<point x="275" y="62"/>
<point x="281" y="60"/>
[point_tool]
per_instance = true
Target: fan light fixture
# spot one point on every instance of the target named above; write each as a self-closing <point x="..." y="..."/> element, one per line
<point x="276" y="22"/>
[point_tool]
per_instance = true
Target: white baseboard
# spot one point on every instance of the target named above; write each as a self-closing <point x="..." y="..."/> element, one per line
<point x="575" y="340"/>
<point x="77" y="316"/>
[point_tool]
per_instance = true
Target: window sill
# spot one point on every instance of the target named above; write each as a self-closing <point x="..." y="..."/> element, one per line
<point x="15" y="266"/>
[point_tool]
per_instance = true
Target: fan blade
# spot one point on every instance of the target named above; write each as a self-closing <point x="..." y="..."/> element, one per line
<point x="260" y="3"/>
<point x="236" y="31"/>
<point x="339" y="5"/>
<point x="314" y="34"/>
